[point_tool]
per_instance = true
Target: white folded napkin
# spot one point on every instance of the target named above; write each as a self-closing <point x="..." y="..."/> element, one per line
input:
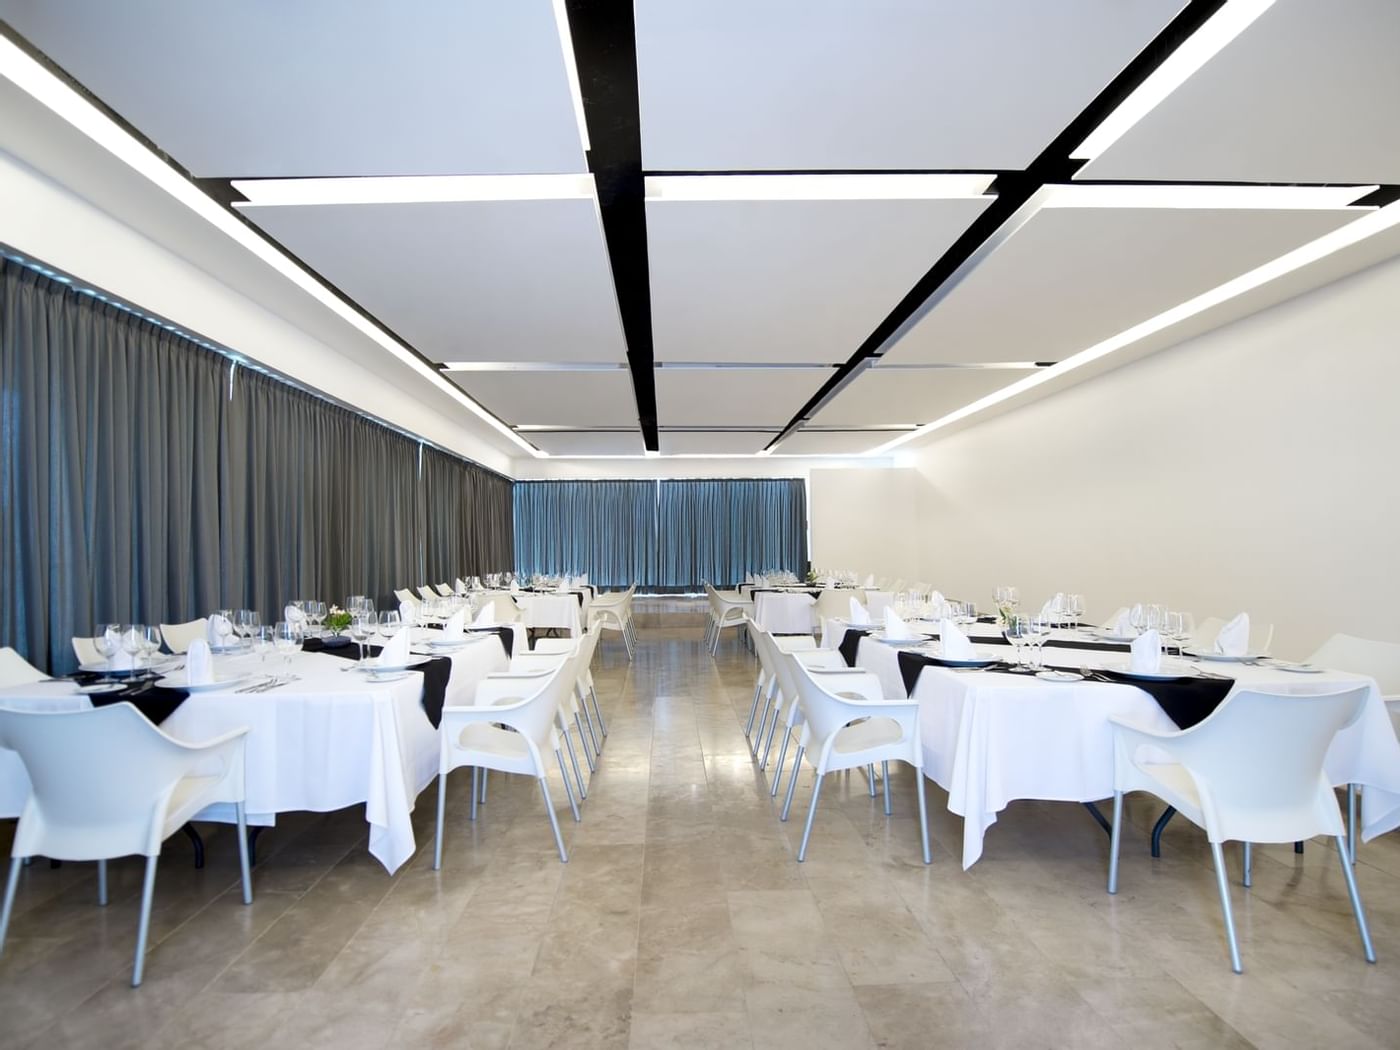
<point x="870" y="580"/>
<point x="199" y="663"/>
<point x="1233" y="639"/>
<point x="294" y="616"/>
<point x="408" y="613"/>
<point x="1147" y="653"/>
<point x="455" y="626"/>
<point x="1118" y="623"/>
<point x="955" y="644"/>
<point x="859" y="613"/>
<point x="896" y="628"/>
<point x="395" y="651"/>
<point x="214" y="635"/>
<point x="563" y="587"/>
<point x="487" y="617"/>
<point x="120" y="660"/>
<point x="514" y="587"/>
<point x="459" y="586"/>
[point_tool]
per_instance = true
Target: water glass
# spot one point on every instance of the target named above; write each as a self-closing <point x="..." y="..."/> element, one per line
<point x="1017" y="630"/>
<point x="261" y="640"/>
<point x="244" y="622"/>
<point x="225" y="626"/>
<point x="286" y="638"/>
<point x="133" y="642"/>
<point x="361" y="627"/>
<point x="108" y="640"/>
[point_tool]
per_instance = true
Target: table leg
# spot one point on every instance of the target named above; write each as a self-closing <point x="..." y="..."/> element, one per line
<point x="1098" y="816"/>
<point x="1160" y="827"/>
<point x="197" y="842"/>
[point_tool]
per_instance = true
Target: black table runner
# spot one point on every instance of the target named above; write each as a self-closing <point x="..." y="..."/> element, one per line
<point x="156" y="702"/>
<point x="437" y="670"/>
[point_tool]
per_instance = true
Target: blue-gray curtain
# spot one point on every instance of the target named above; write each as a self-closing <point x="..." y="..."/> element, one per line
<point x="665" y="536"/>
<point x="144" y="478"/>
<point x="604" y="528"/>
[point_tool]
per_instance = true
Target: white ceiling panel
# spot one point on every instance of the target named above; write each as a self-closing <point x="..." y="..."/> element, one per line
<point x="864" y="84"/>
<point x="587" y="443"/>
<point x="1306" y="93"/>
<point x="883" y="396"/>
<point x="324" y="87"/>
<point x="788" y="281"/>
<point x="734" y="397"/>
<point x="1072" y="277"/>
<point x="560" y="399"/>
<point x="721" y="443"/>
<point x="468" y="281"/>
<point x="833" y="442"/>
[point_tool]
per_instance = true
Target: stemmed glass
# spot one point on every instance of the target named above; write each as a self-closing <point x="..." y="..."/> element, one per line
<point x="1040" y="629"/>
<point x="150" y="643"/>
<point x="133" y="643"/>
<point x="244" y="622"/>
<point x="1179" y="627"/>
<point x="262" y="642"/>
<point x="389" y="623"/>
<point x="316" y="613"/>
<point x="108" y="642"/>
<point x="224" y="628"/>
<point x="1017" y="631"/>
<point x="1075" y="608"/>
<point x="361" y="627"/>
<point x="287" y="640"/>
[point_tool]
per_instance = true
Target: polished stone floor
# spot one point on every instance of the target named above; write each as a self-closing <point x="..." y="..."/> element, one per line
<point x="683" y="920"/>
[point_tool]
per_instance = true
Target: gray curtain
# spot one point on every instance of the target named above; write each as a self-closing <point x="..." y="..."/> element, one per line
<point x="146" y="479"/>
<point x="469" y="519"/>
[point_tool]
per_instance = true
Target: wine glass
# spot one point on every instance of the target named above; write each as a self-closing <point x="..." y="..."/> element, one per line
<point x="1075" y="603"/>
<point x="1017" y="630"/>
<point x="389" y="623"/>
<point x="150" y="642"/>
<point x="354" y="603"/>
<point x="107" y="639"/>
<point x="1137" y="618"/>
<point x="262" y="642"/>
<point x="223" y="628"/>
<point x="244" y="622"/>
<point x="1040" y="631"/>
<point x="286" y="639"/>
<point x="361" y="627"/>
<point x="133" y="642"/>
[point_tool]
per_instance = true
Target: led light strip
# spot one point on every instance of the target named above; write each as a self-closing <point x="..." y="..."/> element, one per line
<point x="412" y="189"/>
<point x="1198" y="49"/>
<point x="1353" y="233"/>
<point x="661" y="188"/>
<point x="49" y="90"/>
<point x="566" y="42"/>
<point x="1233" y="198"/>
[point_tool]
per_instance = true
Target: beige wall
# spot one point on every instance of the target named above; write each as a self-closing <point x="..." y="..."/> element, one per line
<point x="1252" y="468"/>
<point x="865" y="520"/>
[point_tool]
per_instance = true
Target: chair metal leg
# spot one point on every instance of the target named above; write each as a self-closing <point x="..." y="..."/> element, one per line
<point x="1350" y="874"/>
<point x="753" y="708"/>
<point x="811" y="815"/>
<point x="553" y="820"/>
<point x="1351" y="822"/>
<point x="885" y="785"/>
<point x="923" y="813"/>
<point x="243" y="860"/>
<point x="593" y="740"/>
<point x="569" y="791"/>
<point x="593" y="695"/>
<point x="148" y="891"/>
<point x="102" y="883"/>
<point x="1115" y="840"/>
<point x="1222" y="881"/>
<point x="11" y="884"/>
<point x="778" y="771"/>
<point x="573" y="760"/>
<point x="485" y="776"/>
<point x="1248" y="879"/>
<point x="870" y="778"/>
<point x="756" y="741"/>
<point x="588" y="754"/>
<point x="442" y="808"/>
<point x="772" y="731"/>
<point x="476" y="788"/>
<point x="792" y="782"/>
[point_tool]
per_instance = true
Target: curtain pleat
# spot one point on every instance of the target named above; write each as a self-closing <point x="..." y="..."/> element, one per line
<point x="144" y="478"/>
<point x="604" y="528"/>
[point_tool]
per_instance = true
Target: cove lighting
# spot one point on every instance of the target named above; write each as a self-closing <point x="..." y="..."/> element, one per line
<point x="51" y="91"/>
<point x="413" y="189"/>
<point x="1344" y="237"/>
<point x="1198" y="49"/>
<point x="1235" y="198"/>
<point x="815" y="187"/>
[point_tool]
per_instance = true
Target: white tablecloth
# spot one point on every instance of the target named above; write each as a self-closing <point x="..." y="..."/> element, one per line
<point x="784" y="613"/>
<point x="990" y="739"/>
<point x="559" y="611"/>
<point x="331" y="740"/>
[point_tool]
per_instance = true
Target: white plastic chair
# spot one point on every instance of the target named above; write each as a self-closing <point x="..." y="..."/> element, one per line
<point x="16" y="670"/>
<point x="403" y="594"/>
<point x="178" y="636"/>
<point x="569" y="707"/>
<point x="428" y="594"/>
<point x="1251" y="771"/>
<point x="503" y="607"/>
<point x="85" y="649"/>
<point x="1261" y="635"/>
<point x="587" y="645"/>
<point x="444" y="590"/>
<point x="726" y="610"/>
<point x="107" y="783"/>
<point x="847" y="734"/>
<point x="505" y="730"/>
<point x="613" y="612"/>
<point x="802" y="651"/>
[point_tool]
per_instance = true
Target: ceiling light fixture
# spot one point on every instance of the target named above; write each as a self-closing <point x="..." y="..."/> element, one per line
<point x="1234" y="198"/>
<point x="660" y="188"/>
<point x="413" y="189"/>
<point x="530" y="366"/>
<point x="566" y="42"/>
<point x="1198" y="49"/>
<point x="51" y="91"/>
<point x="1344" y="237"/>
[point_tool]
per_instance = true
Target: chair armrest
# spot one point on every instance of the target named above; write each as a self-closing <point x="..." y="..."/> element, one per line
<point x="795" y="643"/>
<point x="519" y="674"/>
<point x="1149" y="736"/>
<point x="824" y="661"/>
<point x="211" y="744"/>
<point x="498" y="689"/>
<point x="899" y="710"/>
<point x="862" y="683"/>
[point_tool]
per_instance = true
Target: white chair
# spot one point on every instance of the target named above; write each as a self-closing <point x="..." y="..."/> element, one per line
<point x="1261" y="635"/>
<point x="403" y="594"/>
<point x="587" y="644"/>
<point x="178" y="636"/>
<point x="503" y="607"/>
<point x="505" y="730"/>
<point x="16" y="670"/>
<point x="107" y="783"/>
<point x="1375" y="659"/>
<point x="800" y="649"/>
<point x="613" y="612"/>
<point x="726" y="610"/>
<point x="85" y="649"/>
<point x="569" y="707"/>
<point x="428" y="594"/>
<point x="1251" y="771"/>
<point x="444" y="590"/>
<point x="847" y="734"/>
<point x="834" y="603"/>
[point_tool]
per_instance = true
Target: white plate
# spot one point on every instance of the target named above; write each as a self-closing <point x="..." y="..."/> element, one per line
<point x="177" y="681"/>
<point x="1206" y="654"/>
<point x="119" y="672"/>
<point x="443" y="643"/>
<point x="381" y="670"/>
<point x="100" y="687"/>
<point x="389" y="677"/>
<point x="898" y="643"/>
<point x="1060" y="676"/>
<point x="1168" y="671"/>
<point x="1297" y="668"/>
<point x="1109" y="636"/>
<point x="972" y="661"/>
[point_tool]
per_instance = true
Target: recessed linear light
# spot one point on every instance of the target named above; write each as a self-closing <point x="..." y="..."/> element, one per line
<point x="1198" y="49"/>
<point x="566" y="43"/>
<point x="530" y="366"/>
<point x="815" y="187"/>
<point x="46" y="88"/>
<point x="1146" y="195"/>
<point x="1344" y="237"/>
<point x="413" y="189"/>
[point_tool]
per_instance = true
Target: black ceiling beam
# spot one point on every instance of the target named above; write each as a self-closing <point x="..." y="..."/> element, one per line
<point x="605" y="51"/>
<point x="1013" y="189"/>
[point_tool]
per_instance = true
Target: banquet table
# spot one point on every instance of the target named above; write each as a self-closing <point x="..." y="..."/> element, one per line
<point x="784" y="612"/>
<point x="561" y="610"/>
<point x="990" y="738"/>
<point x="332" y="739"/>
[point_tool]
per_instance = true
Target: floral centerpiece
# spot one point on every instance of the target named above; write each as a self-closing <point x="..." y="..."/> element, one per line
<point x="337" y="620"/>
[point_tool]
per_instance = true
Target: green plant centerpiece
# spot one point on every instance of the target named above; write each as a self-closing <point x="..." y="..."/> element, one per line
<point x="337" y="620"/>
